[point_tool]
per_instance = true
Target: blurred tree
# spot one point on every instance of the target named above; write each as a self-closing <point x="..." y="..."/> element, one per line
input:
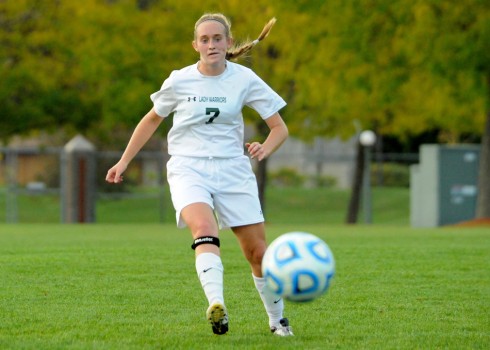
<point x="398" y="67"/>
<point x="44" y="85"/>
<point x="450" y="86"/>
<point x="460" y="38"/>
<point x="402" y="67"/>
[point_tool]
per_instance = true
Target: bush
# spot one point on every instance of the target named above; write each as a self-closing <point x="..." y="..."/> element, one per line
<point x="393" y="175"/>
<point x="286" y="177"/>
<point x="325" y="181"/>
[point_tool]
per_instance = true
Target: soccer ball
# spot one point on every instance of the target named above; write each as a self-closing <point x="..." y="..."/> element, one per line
<point x="298" y="266"/>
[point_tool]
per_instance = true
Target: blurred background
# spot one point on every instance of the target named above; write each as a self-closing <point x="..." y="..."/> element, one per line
<point x="413" y="73"/>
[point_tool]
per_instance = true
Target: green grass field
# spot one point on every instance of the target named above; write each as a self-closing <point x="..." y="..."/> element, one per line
<point x="133" y="286"/>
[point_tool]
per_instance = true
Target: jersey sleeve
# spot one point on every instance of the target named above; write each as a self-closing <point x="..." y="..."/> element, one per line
<point x="262" y="98"/>
<point x="164" y="100"/>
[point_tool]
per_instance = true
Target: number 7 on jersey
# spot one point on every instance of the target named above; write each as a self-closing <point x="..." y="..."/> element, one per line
<point x="214" y="112"/>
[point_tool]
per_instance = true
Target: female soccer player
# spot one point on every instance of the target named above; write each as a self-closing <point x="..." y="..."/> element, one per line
<point x="211" y="180"/>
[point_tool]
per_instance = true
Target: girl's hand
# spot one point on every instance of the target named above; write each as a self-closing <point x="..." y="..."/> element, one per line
<point x="114" y="175"/>
<point x="256" y="150"/>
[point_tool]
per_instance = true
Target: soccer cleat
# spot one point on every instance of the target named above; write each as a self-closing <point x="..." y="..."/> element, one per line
<point x="218" y="317"/>
<point x="284" y="330"/>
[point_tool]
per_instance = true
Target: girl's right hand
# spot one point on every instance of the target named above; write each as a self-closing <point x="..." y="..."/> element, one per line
<point x="114" y="175"/>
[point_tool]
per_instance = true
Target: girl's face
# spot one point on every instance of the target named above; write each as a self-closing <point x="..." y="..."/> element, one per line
<point x="211" y="43"/>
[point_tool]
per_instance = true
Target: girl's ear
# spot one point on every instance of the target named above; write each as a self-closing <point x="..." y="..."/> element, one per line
<point x="194" y="45"/>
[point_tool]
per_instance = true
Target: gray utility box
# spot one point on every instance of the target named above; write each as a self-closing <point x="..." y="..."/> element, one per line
<point x="444" y="185"/>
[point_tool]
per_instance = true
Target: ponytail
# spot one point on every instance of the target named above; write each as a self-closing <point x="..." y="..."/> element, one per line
<point x="239" y="50"/>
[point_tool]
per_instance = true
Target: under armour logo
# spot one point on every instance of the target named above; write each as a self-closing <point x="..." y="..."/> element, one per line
<point x="189" y="99"/>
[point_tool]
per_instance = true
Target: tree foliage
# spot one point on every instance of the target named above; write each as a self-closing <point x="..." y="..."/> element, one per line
<point x="400" y="67"/>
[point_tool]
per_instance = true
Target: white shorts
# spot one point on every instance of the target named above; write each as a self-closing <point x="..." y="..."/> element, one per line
<point x="227" y="185"/>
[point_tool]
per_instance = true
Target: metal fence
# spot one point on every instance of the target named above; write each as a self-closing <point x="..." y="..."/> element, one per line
<point x="34" y="175"/>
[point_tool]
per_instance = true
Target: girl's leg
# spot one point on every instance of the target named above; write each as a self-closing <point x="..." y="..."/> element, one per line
<point x="253" y="244"/>
<point x="200" y="218"/>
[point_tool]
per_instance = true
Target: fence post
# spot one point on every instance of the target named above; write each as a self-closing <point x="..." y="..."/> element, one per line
<point x="11" y="205"/>
<point x="78" y="181"/>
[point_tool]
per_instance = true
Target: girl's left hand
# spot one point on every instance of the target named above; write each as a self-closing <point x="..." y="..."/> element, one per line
<point x="256" y="150"/>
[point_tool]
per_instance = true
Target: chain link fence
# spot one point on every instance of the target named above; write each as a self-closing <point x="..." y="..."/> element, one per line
<point x="30" y="180"/>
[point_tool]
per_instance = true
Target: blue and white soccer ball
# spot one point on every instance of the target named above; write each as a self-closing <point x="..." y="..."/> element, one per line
<point x="298" y="266"/>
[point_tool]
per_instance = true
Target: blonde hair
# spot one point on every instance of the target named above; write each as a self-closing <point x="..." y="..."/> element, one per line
<point x="237" y="50"/>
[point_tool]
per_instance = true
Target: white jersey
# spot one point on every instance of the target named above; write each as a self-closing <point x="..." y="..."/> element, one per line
<point x="208" y="119"/>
